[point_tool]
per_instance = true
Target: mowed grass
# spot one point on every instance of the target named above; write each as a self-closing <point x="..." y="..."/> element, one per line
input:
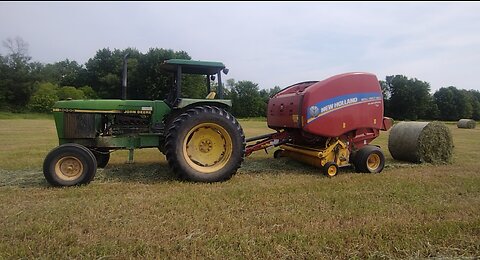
<point x="272" y="208"/>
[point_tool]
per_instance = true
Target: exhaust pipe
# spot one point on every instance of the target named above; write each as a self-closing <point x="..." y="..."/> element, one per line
<point x="124" y="77"/>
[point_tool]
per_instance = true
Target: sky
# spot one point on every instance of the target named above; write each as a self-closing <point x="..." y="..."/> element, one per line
<point x="268" y="43"/>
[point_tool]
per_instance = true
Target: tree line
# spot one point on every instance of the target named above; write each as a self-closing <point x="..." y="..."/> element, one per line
<point x="410" y="99"/>
<point x="26" y="85"/>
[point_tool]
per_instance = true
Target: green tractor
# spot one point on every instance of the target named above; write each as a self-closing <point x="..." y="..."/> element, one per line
<point x="201" y="140"/>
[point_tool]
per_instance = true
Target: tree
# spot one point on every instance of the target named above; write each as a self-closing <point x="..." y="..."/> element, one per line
<point x="44" y="98"/>
<point x="444" y="98"/>
<point x="104" y="73"/>
<point x="145" y="79"/>
<point x="454" y="104"/>
<point x="18" y="50"/>
<point x="69" y="92"/>
<point x="88" y="92"/>
<point x="385" y="87"/>
<point x="265" y="95"/>
<point x="246" y="100"/>
<point x="475" y="94"/>
<point x="17" y="82"/>
<point x="3" y="86"/>
<point x="464" y="104"/>
<point x="155" y="83"/>
<point x="410" y="98"/>
<point x="64" y="73"/>
<point x="195" y="86"/>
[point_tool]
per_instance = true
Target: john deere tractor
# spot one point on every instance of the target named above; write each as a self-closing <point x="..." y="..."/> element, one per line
<point x="202" y="141"/>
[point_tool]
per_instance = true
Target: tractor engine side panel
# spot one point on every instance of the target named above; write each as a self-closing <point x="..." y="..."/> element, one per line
<point x="343" y="103"/>
<point x="79" y="125"/>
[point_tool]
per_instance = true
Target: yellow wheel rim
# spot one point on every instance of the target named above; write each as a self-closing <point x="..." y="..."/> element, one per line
<point x="207" y="147"/>
<point x="373" y="162"/>
<point x="68" y="168"/>
<point x="332" y="170"/>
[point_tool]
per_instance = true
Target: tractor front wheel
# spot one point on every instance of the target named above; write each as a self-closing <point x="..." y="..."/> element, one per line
<point x="69" y="164"/>
<point x="205" y="144"/>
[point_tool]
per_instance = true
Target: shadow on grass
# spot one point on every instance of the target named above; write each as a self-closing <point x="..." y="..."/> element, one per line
<point x="22" y="179"/>
<point x="271" y="166"/>
<point x="147" y="173"/>
<point x="137" y="172"/>
<point x="150" y="173"/>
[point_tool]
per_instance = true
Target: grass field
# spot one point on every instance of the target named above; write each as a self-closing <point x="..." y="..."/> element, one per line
<point x="272" y="208"/>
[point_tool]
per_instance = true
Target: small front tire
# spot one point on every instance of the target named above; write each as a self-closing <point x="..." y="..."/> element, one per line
<point x="69" y="164"/>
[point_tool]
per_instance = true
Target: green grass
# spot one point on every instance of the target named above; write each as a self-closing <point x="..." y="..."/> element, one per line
<point x="10" y="115"/>
<point x="272" y="208"/>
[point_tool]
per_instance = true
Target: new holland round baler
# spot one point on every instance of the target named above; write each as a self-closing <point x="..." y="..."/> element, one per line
<point x="328" y="123"/>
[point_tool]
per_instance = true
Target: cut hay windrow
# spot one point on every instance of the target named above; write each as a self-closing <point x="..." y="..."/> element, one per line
<point x="420" y="142"/>
<point x="466" y="123"/>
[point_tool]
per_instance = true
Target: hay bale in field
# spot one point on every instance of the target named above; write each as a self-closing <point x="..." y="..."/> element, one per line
<point x="466" y="123"/>
<point x="419" y="142"/>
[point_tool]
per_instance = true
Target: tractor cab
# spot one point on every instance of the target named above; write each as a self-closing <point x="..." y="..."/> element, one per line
<point x="179" y="67"/>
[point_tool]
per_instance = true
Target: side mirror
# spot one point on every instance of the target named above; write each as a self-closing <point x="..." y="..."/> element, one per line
<point x="212" y="77"/>
<point x="225" y="71"/>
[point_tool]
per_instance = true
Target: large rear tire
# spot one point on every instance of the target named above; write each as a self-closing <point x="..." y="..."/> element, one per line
<point x="369" y="159"/>
<point x="69" y="164"/>
<point x="205" y="144"/>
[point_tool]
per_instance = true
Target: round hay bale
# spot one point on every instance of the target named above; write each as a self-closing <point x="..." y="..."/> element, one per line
<point x="421" y="142"/>
<point x="466" y="123"/>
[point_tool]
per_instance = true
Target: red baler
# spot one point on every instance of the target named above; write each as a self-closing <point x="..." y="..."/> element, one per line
<point x="328" y="123"/>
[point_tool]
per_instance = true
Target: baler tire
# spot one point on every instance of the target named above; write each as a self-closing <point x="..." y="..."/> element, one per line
<point x="278" y="153"/>
<point x="205" y="144"/>
<point x="352" y="157"/>
<point x="330" y="169"/>
<point x="101" y="157"/>
<point x="69" y="164"/>
<point x="369" y="159"/>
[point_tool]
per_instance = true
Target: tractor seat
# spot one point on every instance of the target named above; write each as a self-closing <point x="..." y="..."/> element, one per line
<point x="211" y="95"/>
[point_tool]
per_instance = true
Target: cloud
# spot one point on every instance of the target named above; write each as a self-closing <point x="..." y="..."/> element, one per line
<point x="268" y="43"/>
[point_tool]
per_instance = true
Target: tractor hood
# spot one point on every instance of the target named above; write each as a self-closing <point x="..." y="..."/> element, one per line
<point x="104" y="105"/>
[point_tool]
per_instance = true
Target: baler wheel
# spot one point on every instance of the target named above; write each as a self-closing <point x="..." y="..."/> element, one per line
<point x="205" y="144"/>
<point x="330" y="169"/>
<point x="369" y="159"/>
<point x="278" y="153"/>
<point x="69" y="164"/>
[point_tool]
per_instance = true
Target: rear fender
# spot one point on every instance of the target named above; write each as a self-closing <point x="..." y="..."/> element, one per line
<point x="186" y="103"/>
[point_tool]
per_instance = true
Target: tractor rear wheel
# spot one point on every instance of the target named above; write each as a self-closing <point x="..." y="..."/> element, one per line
<point x="205" y="144"/>
<point x="69" y="164"/>
<point x="369" y="159"/>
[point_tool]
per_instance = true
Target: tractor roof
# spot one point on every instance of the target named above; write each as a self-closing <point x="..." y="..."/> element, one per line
<point x="193" y="66"/>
